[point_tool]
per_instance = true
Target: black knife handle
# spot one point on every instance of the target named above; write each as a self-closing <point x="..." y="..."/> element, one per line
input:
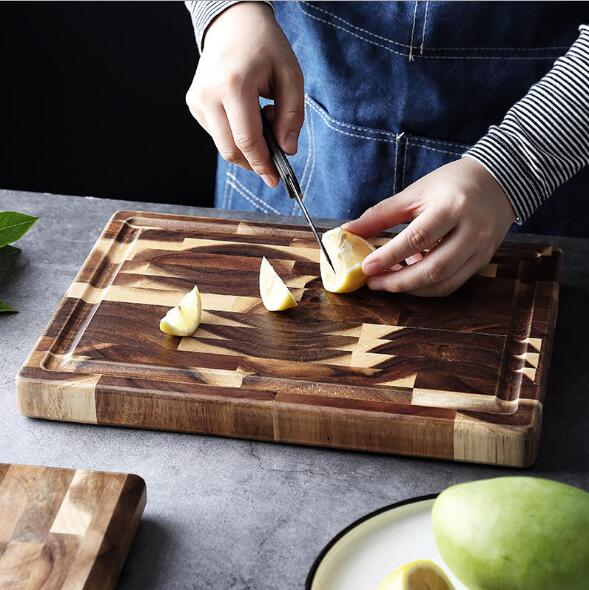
<point x="279" y="158"/>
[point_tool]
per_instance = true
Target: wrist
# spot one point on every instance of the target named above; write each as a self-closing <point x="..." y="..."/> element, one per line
<point x="239" y="13"/>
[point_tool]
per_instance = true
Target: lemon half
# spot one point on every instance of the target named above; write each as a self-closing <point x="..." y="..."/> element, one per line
<point x="275" y="294"/>
<point x="347" y="251"/>
<point x="417" y="575"/>
<point x="184" y="318"/>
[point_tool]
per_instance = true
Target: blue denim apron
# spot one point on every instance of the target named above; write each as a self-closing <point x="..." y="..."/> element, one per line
<point x="393" y="90"/>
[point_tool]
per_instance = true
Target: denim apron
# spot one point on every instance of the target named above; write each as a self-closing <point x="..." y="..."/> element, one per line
<point x="393" y="90"/>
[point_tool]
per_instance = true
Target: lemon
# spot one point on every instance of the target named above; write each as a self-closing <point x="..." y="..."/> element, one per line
<point x="347" y="251"/>
<point x="275" y="294"/>
<point x="184" y="318"/>
<point x="417" y="575"/>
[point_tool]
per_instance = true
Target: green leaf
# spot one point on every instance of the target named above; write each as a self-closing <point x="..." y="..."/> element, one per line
<point x="8" y="256"/>
<point x="5" y="308"/>
<point x="13" y="226"/>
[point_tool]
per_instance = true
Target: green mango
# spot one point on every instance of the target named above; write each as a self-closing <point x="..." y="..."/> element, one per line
<point x="514" y="533"/>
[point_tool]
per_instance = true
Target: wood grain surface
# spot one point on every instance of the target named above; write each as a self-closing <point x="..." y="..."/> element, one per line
<point x="458" y="378"/>
<point x="65" y="529"/>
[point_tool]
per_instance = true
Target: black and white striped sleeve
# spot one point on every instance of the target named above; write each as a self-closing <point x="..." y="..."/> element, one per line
<point x="544" y="138"/>
<point x="203" y="12"/>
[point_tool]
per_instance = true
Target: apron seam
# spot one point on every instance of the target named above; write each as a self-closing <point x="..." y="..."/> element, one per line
<point x="261" y="201"/>
<point x="405" y="54"/>
<point x="230" y="192"/>
<point x="329" y="119"/>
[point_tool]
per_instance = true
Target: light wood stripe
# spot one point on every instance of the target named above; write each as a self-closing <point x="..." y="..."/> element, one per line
<point x="60" y="400"/>
<point x="73" y="517"/>
<point x="438" y="398"/>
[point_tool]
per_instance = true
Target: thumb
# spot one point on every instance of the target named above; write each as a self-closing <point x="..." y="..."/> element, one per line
<point x="289" y="101"/>
<point x="384" y="215"/>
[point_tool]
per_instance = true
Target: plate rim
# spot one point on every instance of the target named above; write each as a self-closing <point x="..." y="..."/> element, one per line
<point x="329" y="545"/>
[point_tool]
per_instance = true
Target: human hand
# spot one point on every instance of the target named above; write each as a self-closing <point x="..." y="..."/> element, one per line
<point x="459" y="214"/>
<point x="246" y="55"/>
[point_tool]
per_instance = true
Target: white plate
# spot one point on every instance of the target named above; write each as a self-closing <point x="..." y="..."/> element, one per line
<point x="361" y="555"/>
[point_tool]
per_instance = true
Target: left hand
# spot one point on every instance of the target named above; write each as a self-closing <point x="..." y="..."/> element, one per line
<point x="459" y="214"/>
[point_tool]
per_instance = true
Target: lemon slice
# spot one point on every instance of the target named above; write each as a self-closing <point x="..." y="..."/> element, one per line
<point x="275" y="294"/>
<point x="347" y="251"/>
<point x="184" y="318"/>
<point x="417" y="575"/>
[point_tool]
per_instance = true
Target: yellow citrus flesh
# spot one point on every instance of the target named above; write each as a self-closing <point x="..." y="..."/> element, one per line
<point x="417" y="575"/>
<point x="183" y="319"/>
<point x="347" y="251"/>
<point x="275" y="294"/>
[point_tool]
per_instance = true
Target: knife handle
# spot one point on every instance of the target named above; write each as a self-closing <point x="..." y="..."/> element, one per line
<point x="279" y="158"/>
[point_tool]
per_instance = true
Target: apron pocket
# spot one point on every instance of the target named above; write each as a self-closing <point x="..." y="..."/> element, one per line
<point x="419" y="156"/>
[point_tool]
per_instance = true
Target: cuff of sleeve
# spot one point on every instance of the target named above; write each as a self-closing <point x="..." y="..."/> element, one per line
<point x="203" y="14"/>
<point x="506" y="164"/>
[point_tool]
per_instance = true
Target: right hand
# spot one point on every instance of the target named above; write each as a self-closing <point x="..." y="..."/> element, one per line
<point x="246" y="55"/>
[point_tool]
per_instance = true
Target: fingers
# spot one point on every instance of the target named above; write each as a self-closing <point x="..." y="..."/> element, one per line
<point x="383" y="215"/>
<point x="436" y="268"/>
<point x="471" y="267"/>
<point x="243" y="115"/>
<point x="290" y="101"/>
<point x="216" y="124"/>
<point x="421" y="234"/>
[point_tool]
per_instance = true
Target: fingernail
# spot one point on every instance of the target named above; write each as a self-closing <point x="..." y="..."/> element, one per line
<point x="414" y="258"/>
<point x="397" y="267"/>
<point x="290" y="143"/>
<point x="372" y="267"/>
<point x="269" y="180"/>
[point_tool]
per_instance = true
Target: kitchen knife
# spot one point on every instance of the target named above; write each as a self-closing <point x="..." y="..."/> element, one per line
<point x="289" y="179"/>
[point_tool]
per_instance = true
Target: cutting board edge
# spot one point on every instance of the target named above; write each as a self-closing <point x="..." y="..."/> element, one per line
<point x="467" y="439"/>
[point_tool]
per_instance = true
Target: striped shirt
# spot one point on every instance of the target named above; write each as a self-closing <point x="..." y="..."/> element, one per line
<point x="542" y="142"/>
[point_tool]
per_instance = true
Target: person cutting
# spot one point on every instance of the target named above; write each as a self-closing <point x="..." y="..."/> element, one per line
<point x="465" y="119"/>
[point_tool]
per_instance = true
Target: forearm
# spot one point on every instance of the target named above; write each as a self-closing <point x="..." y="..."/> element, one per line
<point x="203" y="13"/>
<point x="544" y="138"/>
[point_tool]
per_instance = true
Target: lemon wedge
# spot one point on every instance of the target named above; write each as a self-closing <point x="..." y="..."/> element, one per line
<point x="275" y="294"/>
<point x="184" y="318"/>
<point x="417" y="575"/>
<point x="347" y="251"/>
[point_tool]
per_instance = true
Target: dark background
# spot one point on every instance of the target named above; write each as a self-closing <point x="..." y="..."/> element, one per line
<point x="92" y="102"/>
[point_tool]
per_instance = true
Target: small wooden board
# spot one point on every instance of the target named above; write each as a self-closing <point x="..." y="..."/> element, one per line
<point x="65" y="528"/>
<point x="457" y="378"/>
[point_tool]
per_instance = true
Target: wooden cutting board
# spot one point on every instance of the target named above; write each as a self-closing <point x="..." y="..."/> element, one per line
<point x="456" y="378"/>
<point x="65" y="528"/>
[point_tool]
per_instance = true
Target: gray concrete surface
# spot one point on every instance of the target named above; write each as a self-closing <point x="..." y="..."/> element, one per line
<point x="228" y="514"/>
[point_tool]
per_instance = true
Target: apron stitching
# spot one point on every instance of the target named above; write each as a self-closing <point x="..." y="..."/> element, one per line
<point x="472" y="57"/>
<point x="413" y="31"/>
<point x="252" y="195"/>
<point x="313" y="160"/>
<point x="309" y="152"/>
<point x="398" y="138"/>
<point x="312" y="104"/>
<point x="404" y="164"/>
<point x="224" y="197"/>
<point x="230" y="193"/>
<point x="256" y="205"/>
<point x="328" y="123"/>
<point x="498" y="48"/>
<point x="424" y="26"/>
<point x="352" y="33"/>
<point x="353" y="26"/>
<point x="426" y="147"/>
<point x="305" y="169"/>
<point x="335" y="16"/>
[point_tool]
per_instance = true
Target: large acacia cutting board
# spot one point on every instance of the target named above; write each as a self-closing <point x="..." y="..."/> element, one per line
<point x="65" y="529"/>
<point x="457" y="378"/>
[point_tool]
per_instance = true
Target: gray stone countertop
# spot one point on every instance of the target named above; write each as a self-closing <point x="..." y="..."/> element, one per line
<point x="230" y="514"/>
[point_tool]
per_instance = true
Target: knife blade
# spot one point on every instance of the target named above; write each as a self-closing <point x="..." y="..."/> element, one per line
<point x="289" y="179"/>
